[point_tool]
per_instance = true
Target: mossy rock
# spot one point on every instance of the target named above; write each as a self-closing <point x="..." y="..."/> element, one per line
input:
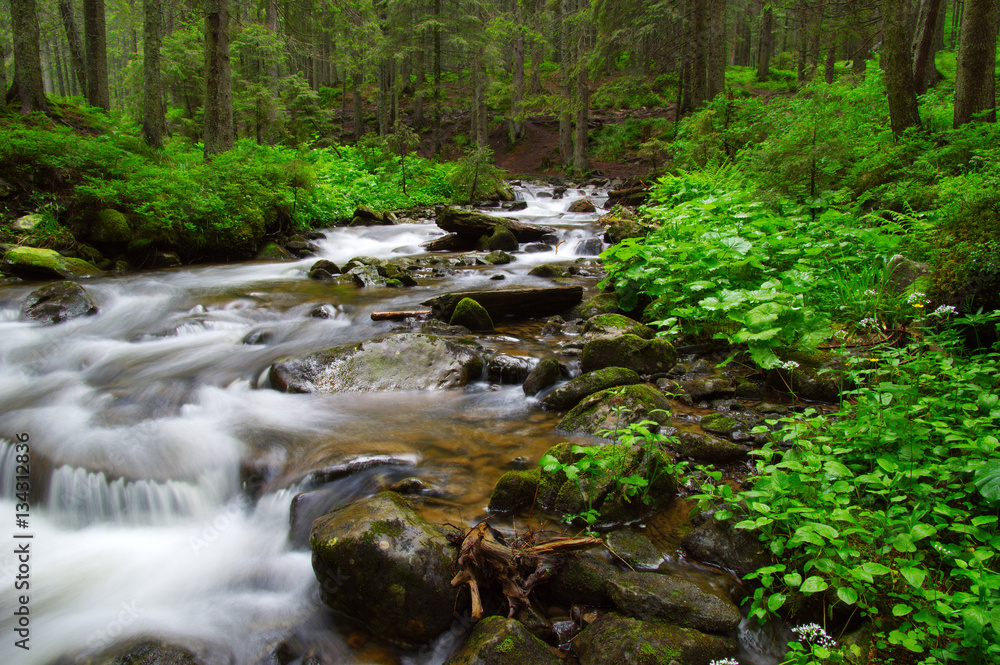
<point x="501" y="641"/>
<point x="582" y="580"/>
<point x="722" y="424"/>
<point x="602" y="303"/>
<point x="381" y="564"/>
<point x="497" y="258"/>
<point x="323" y="270"/>
<point x="675" y="600"/>
<point x="365" y="276"/>
<point x="546" y="373"/>
<point x="27" y="223"/>
<point x="705" y="448"/>
<point x="272" y="251"/>
<point x="506" y="369"/>
<point x="620" y="229"/>
<point x="514" y="490"/>
<point x="820" y="376"/>
<point x="407" y="361"/>
<point x="645" y="356"/>
<point x="35" y="263"/>
<point x="472" y="315"/>
<point x="559" y="493"/>
<point x="622" y="640"/>
<point x="139" y="651"/>
<point x="634" y="549"/>
<point x="110" y="226"/>
<point x="719" y="543"/>
<point x="615" y="325"/>
<point x="569" y="395"/>
<point x="58" y="302"/>
<point x="501" y="240"/>
<point x="614" y="409"/>
<point x="549" y="271"/>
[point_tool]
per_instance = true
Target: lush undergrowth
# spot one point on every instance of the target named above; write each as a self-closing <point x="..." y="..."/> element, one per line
<point x="775" y="229"/>
<point x="71" y="170"/>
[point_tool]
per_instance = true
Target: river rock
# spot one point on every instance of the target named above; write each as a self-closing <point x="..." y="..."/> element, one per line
<point x="366" y="276"/>
<point x="472" y="315"/>
<point x="471" y="226"/>
<point x="718" y="543"/>
<point x="35" y="263"/>
<point x="819" y="376"/>
<point x="620" y="229"/>
<point x="139" y="652"/>
<point x="27" y="223"/>
<point x="323" y="270"/>
<point x="549" y="271"/>
<point x="165" y="260"/>
<point x="546" y="373"/>
<point x="645" y="356"/>
<point x="58" y="302"/>
<point x="517" y="302"/>
<point x="622" y="640"/>
<point x="110" y="226"/>
<point x="500" y="240"/>
<point x="569" y="395"/>
<point x="629" y="196"/>
<point x="367" y="216"/>
<point x="406" y="361"/>
<point x="497" y="258"/>
<point x="380" y="563"/>
<point x="500" y="641"/>
<point x="589" y="247"/>
<point x="704" y="387"/>
<point x="602" y="303"/>
<point x="634" y="549"/>
<point x="514" y="490"/>
<point x="706" y="448"/>
<point x="581" y="205"/>
<point x="605" y="326"/>
<point x="502" y="368"/>
<point x="601" y="492"/>
<point x="582" y="580"/>
<point x="674" y="600"/>
<point x="272" y="251"/>
<point x="608" y="412"/>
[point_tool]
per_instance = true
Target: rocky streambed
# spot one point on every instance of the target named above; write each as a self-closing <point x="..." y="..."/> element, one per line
<point x="276" y="462"/>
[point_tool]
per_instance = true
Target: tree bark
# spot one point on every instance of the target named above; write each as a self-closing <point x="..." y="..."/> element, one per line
<point x="566" y="87"/>
<point x="437" y="78"/>
<point x="219" y="132"/>
<point x="152" y="87"/>
<point x="515" y="127"/>
<point x="897" y="60"/>
<point x="73" y="39"/>
<point x="718" y="48"/>
<point x="699" y="49"/>
<point x="581" y="156"/>
<point x="27" y="86"/>
<point x="923" y="50"/>
<point x="3" y="68"/>
<point x="96" y="54"/>
<point x="766" y="45"/>
<point x="974" y="76"/>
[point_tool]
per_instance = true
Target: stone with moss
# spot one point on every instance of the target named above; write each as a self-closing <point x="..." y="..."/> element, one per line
<point x="381" y="564"/>
<point x="609" y="412"/>
<point x="615" y="325"/>
<point x="634" y="549"/>
<point x="722" y="424"/>
<point x="582" y="580"/>
<point x="820" y="376"/>
<point x="272" y="251"/>
<point x="514" y="490"/>
<point x="58" y="302"/>
<point x="405" y="361"/>
<point x="35" y="263"/>
<point x="707" y="448"/>
<point x="110" y="226"/>
<point x="620" y="229"/>
<point x="27" y="223"/>
<point x="497" y="258"/>
<point x="501" y="239"/>
<point x="508" y="369"/>
<point x="675" y="600"/>
<point x="719" y="543"/>
<point x="645" y="356"/>
<point x="549" y="271"/>
<point x="472" y="315"/>
<point x="546" y="373"/>
<point x="569" y="395"/>
<point x="602" y="303"/>
<point x="615" y="638"/>
<point x="137" y="651"/>
<point x="501" y="641"/>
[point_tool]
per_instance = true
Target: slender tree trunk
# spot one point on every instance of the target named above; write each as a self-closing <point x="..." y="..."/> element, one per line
<point x="28" y="86"/>
<point x="418" y="94"/>
<point x="73" y="39"/>
<point x="581" y="156"/>
<point x="515" y="128"/>
<point x="766" y="44"/>
<point x="699" y="50"/>
<point x="152" y="88"/>
<point x="3" y="68"/>
<point x="830" y="67"/>
<point x="269" y="135"/>
<point x="923" y="48"/>
<point x="897" y="60"/>
<point x="566" y="88"/>
<point x="974" y="76"/>
<point x="96" y="54"/>
<point x="437" y="78"/>
<point x="219" y="131"/>
<point x="718" y="48"/>
<point x="359" y="120"/>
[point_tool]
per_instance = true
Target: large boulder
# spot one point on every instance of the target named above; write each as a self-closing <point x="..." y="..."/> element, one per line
<point x="675" y="600"/>
<point x="110" y="226"/>
<point x="602" y="303"/>
<point x="706" y="448"/>
<point x="719" y="543"/>
<point x="819" y="376"/>
<point x="645" y="356"/>
<point x="581" y="205"/>
<point x="609" y="412"/>
<point x="506" y="369"/>
<point x="407" y="361"/>
<point x="140" y="651"/>
<point x="36" y="263"/>
<point x="501" y="239"/>
<point x="381" y="564"/>
<point x="499" y="641"/>
<point x="546" y="373"/>
<point x="514" y="490"/>
<point x="518" y="302"/>
<point x="272" y="251"/>
<point x="614" y="638"/>
<point x="615" y="325"/>
<point x="582" y="580"/>
<point x="472" y="315"/>
<point x="569" y="395"/>
<point x="58" y="302"/>
<point x="471" y="225"/>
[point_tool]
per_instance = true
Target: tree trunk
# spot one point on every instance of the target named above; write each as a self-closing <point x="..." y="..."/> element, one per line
<point x="897" y="60"/>
<point x="566" y="88"/>
<point x="718" y="48"/>
<point x="73" y="39"/>
<point x="766" y="45"/>
<point x="3" y="68"/>
<point x="974" y="76"/>
<point x="699" y="49"/>
<point x="28" y="86"/>
<point x="581" y="157"/>
<point x="437" y="77"/>
<point x="359" y="121"/>
<point x="830" y="67"/>
<point x="271" y="110"/>
<point x="219" y="132"/>
<point x="515" y="127"/>
<point x="96" y="54"/>
<point x="152" y="88"/>
<point x="923" y="48"/>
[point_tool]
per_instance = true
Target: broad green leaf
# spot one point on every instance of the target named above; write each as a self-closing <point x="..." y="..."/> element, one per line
<point x="901" y="609"/>
<point x="847" y="594"/>
<point x="987" y="479"/>
<point x="814" y="584"/>
<point x="873" y="568"/>
<point x="775" y="601"/>
<point x="793" y="579"/>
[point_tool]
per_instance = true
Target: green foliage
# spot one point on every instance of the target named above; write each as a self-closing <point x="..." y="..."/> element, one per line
<point x="628" y="92"/>
<point x="475" y="176"/>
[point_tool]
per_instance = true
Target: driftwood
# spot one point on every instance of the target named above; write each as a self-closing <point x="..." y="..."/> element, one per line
<point x="522" y="303"/>
<point x="486" y="561"/>
<point x="399" y="315"/>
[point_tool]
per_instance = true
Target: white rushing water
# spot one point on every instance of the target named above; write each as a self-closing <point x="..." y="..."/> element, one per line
<point x="139" y="420"/>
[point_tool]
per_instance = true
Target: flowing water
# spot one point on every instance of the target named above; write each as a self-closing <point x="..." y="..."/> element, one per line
<point x="163" y="468"/>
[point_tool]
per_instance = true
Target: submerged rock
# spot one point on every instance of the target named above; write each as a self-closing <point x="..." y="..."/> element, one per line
<point x="36" y="263"/>
<point x="546" y="373"/>
<point x="720" y="544"/>
<point x="505" y="369"/>
<point x="407" y="361"/>
<point x="378" y="562"/>
<point x="499" y="641"/>
<point x="58" y="302"/>
<point x="644" y="356"/>
<point x="634" y="549"/>
<point x="614" y="638"/>
<point x="614" y="409"/>
<point x="569" y="395"/>
<point x="674" y="600"/>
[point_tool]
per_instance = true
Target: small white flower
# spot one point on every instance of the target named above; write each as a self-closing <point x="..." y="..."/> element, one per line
<point x="868" y="323"/>
<point x="871" y="293"/>
<point x="840" y="334"/>
<point x="813" y="633"/>
<point x="916" y="297"/>
<point x="789" y="365"/>
<point x="725" y="661"/>
<point x="944" y="310"/>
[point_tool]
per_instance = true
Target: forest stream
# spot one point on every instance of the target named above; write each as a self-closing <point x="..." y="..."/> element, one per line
<point x="152" y="426"/>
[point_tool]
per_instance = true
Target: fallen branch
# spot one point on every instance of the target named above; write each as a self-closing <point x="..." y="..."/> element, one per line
<point x="400" y="315"/>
